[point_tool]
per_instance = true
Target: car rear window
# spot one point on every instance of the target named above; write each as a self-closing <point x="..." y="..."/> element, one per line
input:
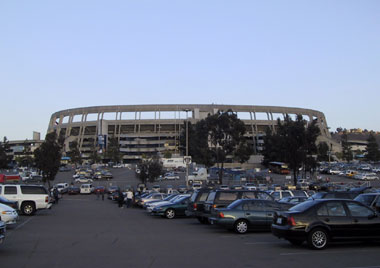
<point x="365" y="199"/>
<point x="33" y="190"/>
<point x="299" y="193"/>
<point x="203" y="196"/>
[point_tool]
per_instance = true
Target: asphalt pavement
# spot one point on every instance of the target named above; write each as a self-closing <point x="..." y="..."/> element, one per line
<point x="82" y="231"/>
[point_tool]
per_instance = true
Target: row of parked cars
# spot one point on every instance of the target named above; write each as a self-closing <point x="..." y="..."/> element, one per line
<point x="316" y="219"/>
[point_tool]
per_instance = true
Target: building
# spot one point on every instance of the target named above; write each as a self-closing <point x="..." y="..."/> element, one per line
<point x="24" y="148"/>
<point x="151" y="129"/>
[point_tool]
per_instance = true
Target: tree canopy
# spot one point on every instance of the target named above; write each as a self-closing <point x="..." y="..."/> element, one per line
<point x="4" y="158"/>
<point x="373" y="153"/>
<point x="150" y="170"/>
<point x="346" y="148"/>
<point x="293" y="142"/>
<point x="74" y="153"/>
<point x="48" y="157"/>
<point x="215" y="138"/>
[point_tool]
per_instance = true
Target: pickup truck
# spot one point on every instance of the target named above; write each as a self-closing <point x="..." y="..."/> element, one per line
<point x="30" y="198"/>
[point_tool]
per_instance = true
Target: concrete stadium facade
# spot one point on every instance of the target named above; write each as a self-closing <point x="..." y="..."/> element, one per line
<point x="151" y="129"/>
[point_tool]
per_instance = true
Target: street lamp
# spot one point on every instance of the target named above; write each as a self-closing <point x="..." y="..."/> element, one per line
<point x="187" y="158"/>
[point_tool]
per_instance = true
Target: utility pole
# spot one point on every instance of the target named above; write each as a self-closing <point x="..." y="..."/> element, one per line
<point x="187" y="148"/>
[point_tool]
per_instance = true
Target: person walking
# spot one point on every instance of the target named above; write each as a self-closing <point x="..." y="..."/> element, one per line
<point x="56" y="195"/>
<point x="129" y="198"/>
<point x="97" y="193"/>
<point x="120" y="199"/>
<point x="102" y="193"/>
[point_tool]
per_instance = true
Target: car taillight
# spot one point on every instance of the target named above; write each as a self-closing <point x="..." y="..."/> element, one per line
<point x="47" y="199"/>
<point x="221" y="215"/>
<point x="195" y="206"/>
<point x="214" y="206"/>
<point x="291" y="221"/>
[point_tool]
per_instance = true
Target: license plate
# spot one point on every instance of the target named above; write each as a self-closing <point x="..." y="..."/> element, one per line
<point x="279" y="221"/>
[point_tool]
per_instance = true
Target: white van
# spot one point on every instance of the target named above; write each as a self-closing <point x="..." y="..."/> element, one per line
<point x="86" y="188"/>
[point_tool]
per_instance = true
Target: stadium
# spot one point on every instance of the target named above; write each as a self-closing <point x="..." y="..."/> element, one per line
<point x="151" y="129"/>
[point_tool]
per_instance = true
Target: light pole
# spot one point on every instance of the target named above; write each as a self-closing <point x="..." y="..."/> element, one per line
<point x="187" y="148"/>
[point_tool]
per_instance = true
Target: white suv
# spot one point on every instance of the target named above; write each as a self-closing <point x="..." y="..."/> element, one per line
<point x="30" y="198"/>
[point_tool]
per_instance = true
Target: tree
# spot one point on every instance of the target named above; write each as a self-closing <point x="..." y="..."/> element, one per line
<point x="198" y="143"/>
<point x="94" y="155"/>
<point x="48" y="157"/>
<point x="346" y="148"/>
<point x="113" y="150"/>
<point x="4" y="158"/>
<point x="150" y="169"/>
<point x="323" y="151"/>
<point x="373" y="153"/>
<point x="74" y="153"/>
<point x="293" y="142"/>
<point x="226" y="136"/>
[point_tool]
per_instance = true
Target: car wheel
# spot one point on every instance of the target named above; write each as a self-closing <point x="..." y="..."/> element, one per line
<point x="241" y="226"/>
<point x="170" y="213"/>
<point x="28" y="208"/>
<point x="296" y="242"/>
<point x="317" y="238"/>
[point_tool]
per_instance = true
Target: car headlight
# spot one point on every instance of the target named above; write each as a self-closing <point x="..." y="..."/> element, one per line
<point x="7" y="212"/>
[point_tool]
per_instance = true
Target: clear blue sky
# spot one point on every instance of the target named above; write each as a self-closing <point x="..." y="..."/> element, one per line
<point x="55" y="55"/>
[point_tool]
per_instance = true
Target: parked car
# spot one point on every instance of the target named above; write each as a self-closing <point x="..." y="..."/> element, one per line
<point x="12" y="204"/>
<point x="335" y="195"/>
<point x="195" y="206"/>
<point x="167" y="200"/>
<point x="111" y="189"/>
<point x="62" y="187"/>
<point x="73" y="190"/>
<point x="247" y="214"/>
<point x="172" y="209"/>
<point x="370" y="199"/>
<point x="171" y="176"/>
<point x="156" y="188"/>
<point x="182" y="189"/>
<point x="320" y="222"/>
<point x="83" y="180"/>
<point x="8" y="215"/>
<point x="222" y="198"/>
<point x="30" y="198"/>
<point x="99" y="189"/>
<point x="2" y="231"/>
<point x="86" y="188"/>
<point x="293" y="200"/>
<point x="150" y="197"/>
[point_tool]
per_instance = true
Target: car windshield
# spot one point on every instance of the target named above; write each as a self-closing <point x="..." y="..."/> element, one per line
<point x="182" y="198"/>
<point x="234" y="204"/>
<point x="302" y="206"/>
<point x="365" y="199"/>
<point x="170" y="197"/>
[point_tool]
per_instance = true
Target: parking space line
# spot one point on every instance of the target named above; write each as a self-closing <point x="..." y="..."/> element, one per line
<point x="22" y="224"/>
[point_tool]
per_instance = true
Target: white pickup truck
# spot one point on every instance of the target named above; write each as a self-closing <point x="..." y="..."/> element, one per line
<point x="30" y="198"/>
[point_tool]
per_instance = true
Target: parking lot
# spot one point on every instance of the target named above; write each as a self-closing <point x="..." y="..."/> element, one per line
<point x="82" y="231"/>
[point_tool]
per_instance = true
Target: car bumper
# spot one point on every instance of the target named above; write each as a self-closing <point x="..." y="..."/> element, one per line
<point x="158" y="213"/>
<point x="288" y="232"/>
<point x="227" y="223"/>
